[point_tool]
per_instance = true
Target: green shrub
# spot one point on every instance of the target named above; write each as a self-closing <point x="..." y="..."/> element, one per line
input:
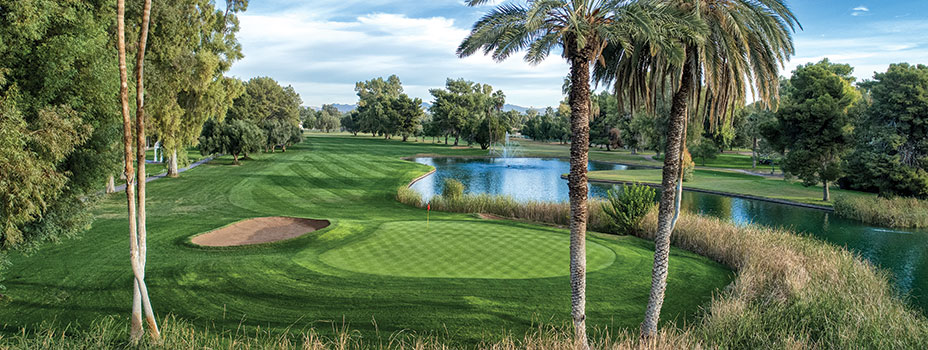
<point x="453" y="189"/>
<point x="625" y="207"/>
<point x="899" y="212"/>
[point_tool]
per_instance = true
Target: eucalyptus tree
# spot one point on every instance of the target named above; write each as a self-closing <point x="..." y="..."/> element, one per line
<point x="194" y="43"/>
<point x="580" y="29"/>
<point x="135" y="200"/>
<point x="732" y="47"/>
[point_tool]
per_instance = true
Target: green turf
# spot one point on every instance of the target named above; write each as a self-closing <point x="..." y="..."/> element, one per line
<point x="734" y="182"/>
<point x="351" y="181"/>
<point x="464" y="250"/>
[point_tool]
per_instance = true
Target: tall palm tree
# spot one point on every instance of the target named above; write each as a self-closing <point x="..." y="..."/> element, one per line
<point x="137" y="246"/>
<point x="745" y="44"/>
<point x="581" y="29"/>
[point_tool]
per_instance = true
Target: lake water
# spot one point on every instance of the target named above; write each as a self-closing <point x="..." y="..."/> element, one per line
<point x="904" y="253"/>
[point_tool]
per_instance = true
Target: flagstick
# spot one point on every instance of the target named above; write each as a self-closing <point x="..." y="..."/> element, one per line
<point x="428" y="211"/>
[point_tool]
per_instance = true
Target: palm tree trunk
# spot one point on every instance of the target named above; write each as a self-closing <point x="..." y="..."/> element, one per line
<point x="671" y="190"/>
<point x="136" y="319"/>
<point x="140" y="152"/>
<point x="577" y="184"/>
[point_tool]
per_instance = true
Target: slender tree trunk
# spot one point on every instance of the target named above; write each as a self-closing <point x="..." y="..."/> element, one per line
<point x="579" y="99"/>
<point x="111" y="184"/>
<point x="235" y="158"/>
<point x="754" y="154"/>
<point x="136" y="319"/>
<point x="172" y="165"/>
<point x="826" y="193"/>
<point x="140" y="152"/>
<point x="671" y="189"/>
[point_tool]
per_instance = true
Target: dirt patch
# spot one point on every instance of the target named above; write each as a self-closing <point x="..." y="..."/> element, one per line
<point x="259" y="230"/>
<point x="491" y="217"/>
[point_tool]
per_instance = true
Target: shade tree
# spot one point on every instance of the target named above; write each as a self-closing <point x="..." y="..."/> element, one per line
<point x="891" y="142"/>
<point x="193" y="44"/>
<point x="813" y="128"/>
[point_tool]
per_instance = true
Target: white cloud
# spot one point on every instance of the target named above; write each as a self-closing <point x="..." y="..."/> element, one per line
<point x="859" y="11"/>
<point x="323" y="58"/>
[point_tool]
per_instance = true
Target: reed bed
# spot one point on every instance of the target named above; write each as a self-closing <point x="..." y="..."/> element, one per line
<point x="552" y="213"/>
<point x="898" y="212"/>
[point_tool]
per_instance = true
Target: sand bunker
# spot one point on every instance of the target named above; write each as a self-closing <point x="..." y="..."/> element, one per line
<point x="259" y="230"/>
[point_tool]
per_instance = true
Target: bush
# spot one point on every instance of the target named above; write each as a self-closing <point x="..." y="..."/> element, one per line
<point x="899" y="212"/>
<point x="453" y="189"/>
<point x="626" y="206"/>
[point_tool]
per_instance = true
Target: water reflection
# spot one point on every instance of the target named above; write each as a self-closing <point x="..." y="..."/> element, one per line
<point x="901" y="252"/>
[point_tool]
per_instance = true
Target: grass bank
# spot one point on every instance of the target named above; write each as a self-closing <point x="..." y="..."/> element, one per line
<point x="795" y="292"/>
<point x="729" y="182"/>
<point x="314" y="281"/>
<point x="891" y="212"/>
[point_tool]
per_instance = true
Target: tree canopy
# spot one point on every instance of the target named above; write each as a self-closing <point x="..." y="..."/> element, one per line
<point x="891" y="154"/>
<point x="813" y="128"/>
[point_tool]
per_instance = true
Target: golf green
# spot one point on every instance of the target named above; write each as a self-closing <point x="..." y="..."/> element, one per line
<point x="373" y="270"/>
<point x="458" y="249"/>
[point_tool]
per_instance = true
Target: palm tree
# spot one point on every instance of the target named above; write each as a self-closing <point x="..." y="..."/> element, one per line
<point x="743" y="45"/>
<point x="581" y="29"/>
<point x="137" y="232"/>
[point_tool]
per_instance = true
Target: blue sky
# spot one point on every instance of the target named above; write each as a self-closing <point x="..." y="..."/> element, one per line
<point x="322" y="47"/>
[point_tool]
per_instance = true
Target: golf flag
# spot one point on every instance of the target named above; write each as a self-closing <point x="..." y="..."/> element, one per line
<point x="428" y="210"/>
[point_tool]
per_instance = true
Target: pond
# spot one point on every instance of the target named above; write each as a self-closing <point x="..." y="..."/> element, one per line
<point x="904" y="253"/>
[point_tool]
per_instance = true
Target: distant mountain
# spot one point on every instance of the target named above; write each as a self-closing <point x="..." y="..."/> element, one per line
<point x="508" y="107"/>
<point x="344" y="108"/>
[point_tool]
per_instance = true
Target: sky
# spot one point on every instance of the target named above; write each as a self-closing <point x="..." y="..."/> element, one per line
<point x="323" y="47"/>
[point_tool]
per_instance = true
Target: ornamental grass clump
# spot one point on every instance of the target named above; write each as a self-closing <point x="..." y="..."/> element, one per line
<point x="626" y="206"/>
<point x="898" y="212"/>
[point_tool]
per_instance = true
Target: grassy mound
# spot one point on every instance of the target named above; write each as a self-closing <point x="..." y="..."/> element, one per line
<point x="460" y="249"/>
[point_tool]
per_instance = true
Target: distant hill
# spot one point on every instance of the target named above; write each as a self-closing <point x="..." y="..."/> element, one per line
<point x="344" y="108"/>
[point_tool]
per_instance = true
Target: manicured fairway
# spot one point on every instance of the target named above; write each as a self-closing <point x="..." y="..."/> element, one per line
<point x="354" y="273"/>
<point x="464" y="249"/>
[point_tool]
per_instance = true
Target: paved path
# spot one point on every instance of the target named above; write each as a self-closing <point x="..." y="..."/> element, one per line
<point x="122" y="187"/>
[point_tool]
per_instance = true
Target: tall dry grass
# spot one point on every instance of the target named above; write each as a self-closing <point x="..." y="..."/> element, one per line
<point x="794" y="292"/>
<point x="113" y="333"/>
<point x="899" y="212"/>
